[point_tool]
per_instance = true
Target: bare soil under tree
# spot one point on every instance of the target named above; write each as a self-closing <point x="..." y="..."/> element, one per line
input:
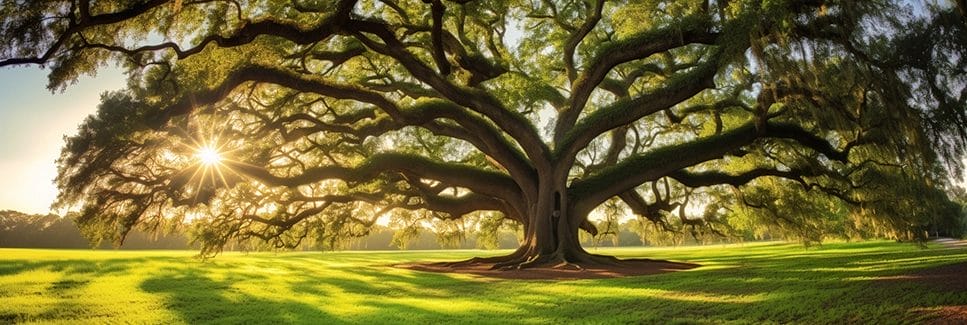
<point x="631" y="267"/>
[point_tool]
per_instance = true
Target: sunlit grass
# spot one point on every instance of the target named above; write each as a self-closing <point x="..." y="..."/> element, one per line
<point x="753" y="283"/>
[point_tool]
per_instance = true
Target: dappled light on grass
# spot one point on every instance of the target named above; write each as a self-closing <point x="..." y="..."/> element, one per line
<point x="96" y="287"/>
<point x="745" y="284"/>
<point x="609" y="291"/>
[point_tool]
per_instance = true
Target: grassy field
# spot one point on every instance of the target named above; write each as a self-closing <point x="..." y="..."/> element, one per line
<point x="754" y="283"/>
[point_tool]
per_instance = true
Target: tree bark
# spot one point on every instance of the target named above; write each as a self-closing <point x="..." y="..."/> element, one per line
<point x="550" y="234"/>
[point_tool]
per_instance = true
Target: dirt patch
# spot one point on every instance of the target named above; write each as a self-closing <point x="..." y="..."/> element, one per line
<point x="633" y="267"/>
<point x="946" y="314"/>
<point x="951" y="242"/>
<point x="951" y="277"/>
<point x="947" y="278"/>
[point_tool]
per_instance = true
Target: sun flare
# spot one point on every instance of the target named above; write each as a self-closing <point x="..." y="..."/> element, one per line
<point x="209" y="155"/>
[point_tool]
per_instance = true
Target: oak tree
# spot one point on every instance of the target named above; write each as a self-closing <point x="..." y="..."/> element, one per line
<point x="286" y="120"/>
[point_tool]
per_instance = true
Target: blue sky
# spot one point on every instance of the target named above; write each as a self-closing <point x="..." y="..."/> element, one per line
<point x="33" y="122"/>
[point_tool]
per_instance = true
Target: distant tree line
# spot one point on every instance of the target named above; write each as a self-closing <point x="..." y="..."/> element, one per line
<point x="483" y="231"/>
<point x="21" y="230"/>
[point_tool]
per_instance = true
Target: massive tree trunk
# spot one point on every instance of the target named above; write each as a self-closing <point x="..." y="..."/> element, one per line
<point x="551" y="236"/>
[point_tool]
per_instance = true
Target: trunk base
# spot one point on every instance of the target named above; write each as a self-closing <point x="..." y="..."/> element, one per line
<point x="553" y="266"/>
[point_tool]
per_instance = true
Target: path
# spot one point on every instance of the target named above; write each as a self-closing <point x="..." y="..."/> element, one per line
<point x="950" y="242"/>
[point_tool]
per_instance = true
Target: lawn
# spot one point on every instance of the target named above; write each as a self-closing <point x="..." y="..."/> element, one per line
<point x="866" y="282"/>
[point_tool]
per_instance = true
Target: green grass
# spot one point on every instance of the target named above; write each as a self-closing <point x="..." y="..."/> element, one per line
<point x="755" y="283"/>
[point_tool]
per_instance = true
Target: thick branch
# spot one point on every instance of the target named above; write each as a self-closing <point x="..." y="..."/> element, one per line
<point x="711" y="178"/>
<point x="483" y="136"/>
<point x="638" y="47"/>
<point x="514" y="124"/>
<point x="661" y="162"/>
<point x="624" y="112"/>
<point x="810" y="140"/>
<point x="241" y="36"/>
<point x="651" y="211"/>
<point x="460" y="206"/>
<point x="578" y="36"/>
<point x="655" y="164"/>
<point x="485" y="182"/>
<point x="436" y="36"/>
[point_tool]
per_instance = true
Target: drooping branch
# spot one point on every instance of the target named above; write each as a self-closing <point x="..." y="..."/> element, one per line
<point x="287" y="223"/>
<point x="651" y="211"/>
<point x="78" y="24"/>
<point x="470" y="128"/>
<point x="808" y="139"/>
<point x="453" y="206"/>
<point x="242" y="35"/>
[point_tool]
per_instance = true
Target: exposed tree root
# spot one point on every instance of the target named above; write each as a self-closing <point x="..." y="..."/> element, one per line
<point x="568" y="266"/>
<point x="533" y="261"/>
<point x="527" y="262"/>
<point x="553" y="266"/>
<point x="574" y="261"/>
<point x="600" y="260"/>
<point x="475" y="261"/>
<point x="484" y="260"/>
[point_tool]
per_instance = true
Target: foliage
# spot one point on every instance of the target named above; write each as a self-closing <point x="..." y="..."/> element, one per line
<point x="408" y="226"/>
<point x="40" y="231"/>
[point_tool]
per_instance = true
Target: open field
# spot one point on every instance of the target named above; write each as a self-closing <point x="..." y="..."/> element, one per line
<point x="869" y="282"/>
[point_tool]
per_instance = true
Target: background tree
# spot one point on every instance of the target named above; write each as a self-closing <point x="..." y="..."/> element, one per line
<point x="23" y="230"/>
<point x="268" y="120"/>
<point x="46" y="231"/>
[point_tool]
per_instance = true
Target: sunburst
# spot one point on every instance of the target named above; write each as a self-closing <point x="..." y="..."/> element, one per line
<point x="210" y="159"/>
<point x="209" y="156"/>
<point x="210" y="163"/>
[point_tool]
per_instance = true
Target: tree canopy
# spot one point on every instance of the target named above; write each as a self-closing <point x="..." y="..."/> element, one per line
<point x="281" y="121"/>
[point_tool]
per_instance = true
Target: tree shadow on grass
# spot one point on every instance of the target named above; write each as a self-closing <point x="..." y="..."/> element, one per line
<point x="816" y="287"/>
<point x="197" y="298"/>
<point x="785" y="286"/>
<point x="778" y="287"/>
<point x="394" y="295"/>
<point x="78" y="267"/>
<point x="812" y="288"/>
<point x="58" y="294"/>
